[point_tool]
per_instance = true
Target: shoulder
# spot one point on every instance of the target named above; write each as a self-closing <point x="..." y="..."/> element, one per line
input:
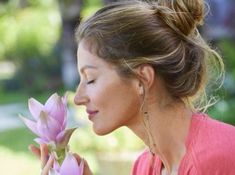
<point x="213" y="148"/>
<point x="214" y="133"/>
<point x="143" y="163"/>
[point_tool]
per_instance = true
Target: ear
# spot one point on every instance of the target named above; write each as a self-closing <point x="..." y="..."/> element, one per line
<point x="146" y="76"/>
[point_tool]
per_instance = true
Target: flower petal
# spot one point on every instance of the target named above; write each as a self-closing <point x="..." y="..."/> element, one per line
<point x="47" y="127"/>
<point x="65" y="99"/>
<point x="35" y="108"/>
<point x="56" y="166"/>
<point x="56" y="107"/>
<point x="63" y="137"/>
<point x="40" y="141"/>
<point x="30" y="124"/>
<point x="70" y="166"/>
<point x="53" y="172"/>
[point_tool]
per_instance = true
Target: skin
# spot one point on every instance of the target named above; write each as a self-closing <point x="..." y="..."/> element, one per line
<point x="101" y="89"/>
<point x="114" y="101"/>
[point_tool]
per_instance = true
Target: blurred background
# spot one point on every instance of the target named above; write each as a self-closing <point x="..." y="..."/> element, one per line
<point x="38" y="58"/>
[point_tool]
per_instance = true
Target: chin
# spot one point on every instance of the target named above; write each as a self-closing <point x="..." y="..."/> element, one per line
<point x="102" y="131"/>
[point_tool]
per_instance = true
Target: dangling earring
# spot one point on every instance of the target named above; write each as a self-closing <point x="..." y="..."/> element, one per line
<point x="150" y="142"/>
<point x="147" y="126"/>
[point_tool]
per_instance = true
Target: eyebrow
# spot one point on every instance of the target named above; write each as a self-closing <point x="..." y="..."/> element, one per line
<point x="87" y="67"/>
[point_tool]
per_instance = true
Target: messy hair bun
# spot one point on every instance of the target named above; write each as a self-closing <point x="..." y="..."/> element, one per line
<point x="183" y="15"/>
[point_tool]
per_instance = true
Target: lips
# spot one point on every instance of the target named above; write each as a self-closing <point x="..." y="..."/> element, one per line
<point x="91" y="113"/>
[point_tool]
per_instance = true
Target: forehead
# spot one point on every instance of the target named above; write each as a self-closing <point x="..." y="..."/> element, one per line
<point x="87" y="59"/>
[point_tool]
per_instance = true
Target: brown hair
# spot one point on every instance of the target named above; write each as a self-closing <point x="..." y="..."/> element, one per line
<point x="163" y="34"/>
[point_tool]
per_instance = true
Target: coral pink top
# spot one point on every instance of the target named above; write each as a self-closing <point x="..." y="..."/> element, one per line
<point x="210" y="147"/>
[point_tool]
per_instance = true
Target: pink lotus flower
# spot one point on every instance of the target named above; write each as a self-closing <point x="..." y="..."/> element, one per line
<point x="49" y="121"/>
<point x="69" y="167"/>
<point x="49" y="125"/>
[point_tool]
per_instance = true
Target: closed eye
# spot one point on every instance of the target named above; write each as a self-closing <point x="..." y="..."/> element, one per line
<point x="90" y="82"/>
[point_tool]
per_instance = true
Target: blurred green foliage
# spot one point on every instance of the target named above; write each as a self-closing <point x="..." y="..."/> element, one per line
<point x="224" y="109"/>
<point x="227" y="47"/>
<point x="30" y="31"/>
<point x="90" y="6"/>
<point x="22" y="137"/>
<point x="84" y="140"/>
<point x="28" y="37"/>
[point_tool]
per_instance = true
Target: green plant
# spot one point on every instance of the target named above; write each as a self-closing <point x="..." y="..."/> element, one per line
<point x="20" y="136"/>
<point x="28" y="38"/>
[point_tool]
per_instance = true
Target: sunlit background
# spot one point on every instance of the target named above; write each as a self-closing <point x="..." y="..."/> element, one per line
<point x="38" y="58"/>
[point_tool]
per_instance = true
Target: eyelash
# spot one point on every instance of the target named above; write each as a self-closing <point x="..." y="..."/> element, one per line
<point x="90" y="82"/>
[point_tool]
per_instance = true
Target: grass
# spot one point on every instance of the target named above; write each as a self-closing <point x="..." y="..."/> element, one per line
<point x="16" y="140"/>
<point x="12" y="97"/>
<point x="15" y="157"/>
<point x="7" y="97"/>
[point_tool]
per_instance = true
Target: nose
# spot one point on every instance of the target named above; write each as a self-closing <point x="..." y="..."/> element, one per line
<point x="80" y="97"/>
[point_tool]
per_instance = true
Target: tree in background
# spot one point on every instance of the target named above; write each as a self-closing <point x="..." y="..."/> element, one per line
<point x="29" y="30"/>
<point x="71" y="15"/>
<point x="38" y="37"/>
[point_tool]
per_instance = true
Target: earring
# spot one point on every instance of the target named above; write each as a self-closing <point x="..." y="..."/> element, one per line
<point x="150" y="142"/>
<point x="147" y="126"/>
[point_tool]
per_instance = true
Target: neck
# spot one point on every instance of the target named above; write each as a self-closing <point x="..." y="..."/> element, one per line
<point x="168" y="127"/>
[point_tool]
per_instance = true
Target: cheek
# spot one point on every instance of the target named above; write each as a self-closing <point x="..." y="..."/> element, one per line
<point x="118" y="101"/>
<point x="115" y="94"/>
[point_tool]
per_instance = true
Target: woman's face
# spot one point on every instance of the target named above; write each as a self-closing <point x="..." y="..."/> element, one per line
<point x="110" y="101"/>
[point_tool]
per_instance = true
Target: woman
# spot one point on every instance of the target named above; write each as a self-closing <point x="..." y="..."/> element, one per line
<point x="144" y="65"/>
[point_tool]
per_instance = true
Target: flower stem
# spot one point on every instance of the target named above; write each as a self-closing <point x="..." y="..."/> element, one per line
<point x="61" y="153"/>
